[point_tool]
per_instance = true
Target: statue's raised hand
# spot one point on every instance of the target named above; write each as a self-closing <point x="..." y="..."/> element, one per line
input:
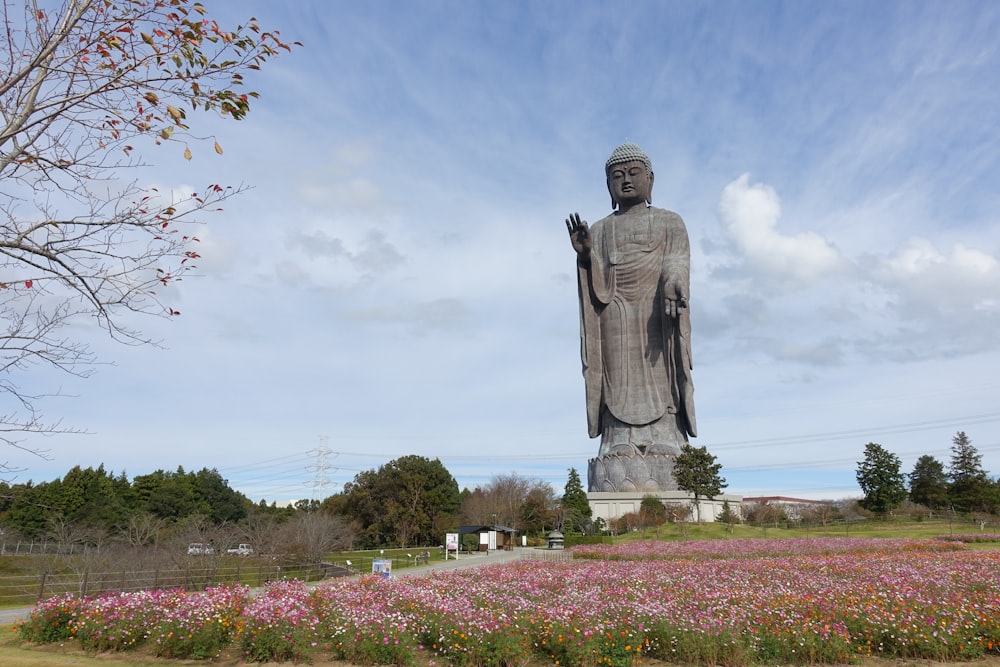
<point x="579" y="235"/>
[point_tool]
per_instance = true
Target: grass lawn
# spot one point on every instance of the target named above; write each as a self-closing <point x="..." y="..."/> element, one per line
<point x="12" y="655"/>
<point x="902" y="528"/>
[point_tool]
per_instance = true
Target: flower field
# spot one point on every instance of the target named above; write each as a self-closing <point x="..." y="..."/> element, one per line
<point x="738" y="602"/>
<point x="758" y="548"/>
<point x="974" y="538"/>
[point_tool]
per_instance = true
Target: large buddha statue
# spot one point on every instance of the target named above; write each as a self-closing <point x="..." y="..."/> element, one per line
<point x="633" y="271"/>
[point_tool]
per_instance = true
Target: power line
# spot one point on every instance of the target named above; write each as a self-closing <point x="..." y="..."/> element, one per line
<point x="321" y="467"/>
<point x="859" y="433"/>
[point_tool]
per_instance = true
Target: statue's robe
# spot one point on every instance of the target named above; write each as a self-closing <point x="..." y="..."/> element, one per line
<point x="636" y="358"/>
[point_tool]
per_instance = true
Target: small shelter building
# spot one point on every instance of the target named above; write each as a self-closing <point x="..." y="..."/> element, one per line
<point x="490" y="537"/>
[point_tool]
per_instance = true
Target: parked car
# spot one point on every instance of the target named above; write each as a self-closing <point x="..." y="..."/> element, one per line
<point x="200" y="549"/>
<point x="242" y="550"/>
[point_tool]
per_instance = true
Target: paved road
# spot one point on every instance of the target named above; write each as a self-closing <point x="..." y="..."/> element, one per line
<point x="469" y="560"/>
<point x="11" y="615"/>
<point x="462" y="562"/>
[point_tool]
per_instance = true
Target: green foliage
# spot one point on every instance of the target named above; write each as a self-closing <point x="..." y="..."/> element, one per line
<point x="28" y="509"/>
<point x="929" y="483"/>
<point x="108" y="630"/>
<point x="405" y="502"/>
<point x="696" y="472"/>
<point x="536" y="511"/>
<point x="498" y="649"/>
<point x="573" y="540"/>
<point x="652" y="512"/>
<point x="470" y="542"/>
<point x="224" y="504"/>
<point x="727" y="515"/>
<point x="205" y="641"/>
<point x="92" y="497"/>
<point x="265" y="641"/>
<point x="880" y="479"/>
<point x="381" y="644"/>
<point x="971" y="489"/>
<point x="94" y="500"/>
<point x="51" y="621"/>
<point x="613" y="645"/>
<point x="576" y="507"/>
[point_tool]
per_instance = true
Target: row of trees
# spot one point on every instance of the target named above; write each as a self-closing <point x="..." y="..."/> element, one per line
<point x="414" y="501"/>
<point x="98" y="502"/>
<point x="963" y="486"/>
<point x="409" y="501"/>
<point x="154" y="517"/>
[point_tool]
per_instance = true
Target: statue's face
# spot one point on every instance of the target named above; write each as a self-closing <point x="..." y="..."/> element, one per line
<point x="629" y="183"/>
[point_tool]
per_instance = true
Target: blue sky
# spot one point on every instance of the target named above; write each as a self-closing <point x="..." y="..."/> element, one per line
<point x="399" y="279"/>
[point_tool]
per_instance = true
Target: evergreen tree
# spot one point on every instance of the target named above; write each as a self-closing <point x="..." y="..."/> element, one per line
<point x="225" y="504"/>
<point x="652" y="511"/>
<point x="90" y="497"/>
<point x="171" y="496"/>
<point x="696" y="472"/>
<point x="994" y="495"/>
<point x="728" y="516"/>
<point x="29" y="509"/>
<point x="929" y="483"/>
<point x="96" y="502"/>
<point x="970" y="489"/>
<point x="880" y="480"/>
<point x="403" y="503"/>
<point x="576" y="507"/>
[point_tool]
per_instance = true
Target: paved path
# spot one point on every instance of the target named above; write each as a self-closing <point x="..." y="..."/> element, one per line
<point x="468" y="560"/>
<point x="462" y="562"/>
<point x="11" y="615"/>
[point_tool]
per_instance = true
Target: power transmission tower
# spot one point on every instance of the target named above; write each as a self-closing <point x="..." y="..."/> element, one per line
<point x="321" y="469"/>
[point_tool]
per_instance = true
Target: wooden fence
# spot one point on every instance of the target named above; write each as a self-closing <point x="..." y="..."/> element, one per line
<point x="24" y="590"/>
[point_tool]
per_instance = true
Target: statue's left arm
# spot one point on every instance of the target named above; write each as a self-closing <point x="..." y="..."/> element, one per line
<point x="675" y="277"/>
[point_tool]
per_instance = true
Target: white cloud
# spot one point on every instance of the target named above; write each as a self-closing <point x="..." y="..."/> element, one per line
<point x="421" y="318"/>
<point x="750" y="214"/>
<point x="964" y="279"/>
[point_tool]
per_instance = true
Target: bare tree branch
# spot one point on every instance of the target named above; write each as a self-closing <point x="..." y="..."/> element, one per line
<point x="84" y="89"/>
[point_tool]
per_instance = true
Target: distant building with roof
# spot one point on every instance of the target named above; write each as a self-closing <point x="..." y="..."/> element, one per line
<point x="794" y="508"/>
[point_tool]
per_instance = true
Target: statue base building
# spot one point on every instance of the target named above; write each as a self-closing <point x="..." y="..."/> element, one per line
<point x="617" y="483"/>
<point x="633" y="471"/>
<point x="611" y="506"/>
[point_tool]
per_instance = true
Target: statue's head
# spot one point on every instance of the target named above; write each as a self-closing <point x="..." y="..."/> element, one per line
<point x="629" y="174"/>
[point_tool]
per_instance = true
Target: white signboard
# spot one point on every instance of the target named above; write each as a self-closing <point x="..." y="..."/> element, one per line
<point x="382" y="567"/>
<point x="450" y="544"/>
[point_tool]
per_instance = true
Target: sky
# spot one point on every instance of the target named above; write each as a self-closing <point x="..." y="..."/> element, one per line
<point x="398" y="278"/>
